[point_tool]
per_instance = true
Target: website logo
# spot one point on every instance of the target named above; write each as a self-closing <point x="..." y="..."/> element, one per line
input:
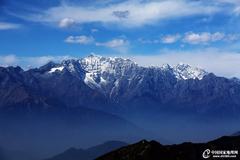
<point x="219" y="154"/>
<point x="206" y="154"/>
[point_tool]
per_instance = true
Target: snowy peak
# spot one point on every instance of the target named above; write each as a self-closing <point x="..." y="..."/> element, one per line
<point x="95" y="63"/>
<point x="185" y="71"/>
<point x="100" y="70"/>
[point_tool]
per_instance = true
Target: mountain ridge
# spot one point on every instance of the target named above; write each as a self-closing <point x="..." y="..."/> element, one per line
<point x="145" y="150"/>
<point x="99" y="81"/>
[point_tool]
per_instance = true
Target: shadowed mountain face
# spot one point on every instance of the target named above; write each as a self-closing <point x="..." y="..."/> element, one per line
<point x="153" y="150"/>
<point x="90" y="153"/>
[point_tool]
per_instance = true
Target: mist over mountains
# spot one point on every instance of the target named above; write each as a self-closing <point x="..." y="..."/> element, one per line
<point x="95" y="99"/>
<point x="89" y="153"/>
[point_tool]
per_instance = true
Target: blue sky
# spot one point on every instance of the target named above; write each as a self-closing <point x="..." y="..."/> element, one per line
<point x="149" y="31"/>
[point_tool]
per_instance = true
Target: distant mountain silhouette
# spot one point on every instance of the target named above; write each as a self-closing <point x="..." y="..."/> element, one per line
<point x="236" y="134"/>
<point x="145" y="150"/>
<point x="90" y="153"/>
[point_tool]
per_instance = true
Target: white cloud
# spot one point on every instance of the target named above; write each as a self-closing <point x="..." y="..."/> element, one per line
<point x="79" y="39"/>
<point x="237" y="10"/>
<point x="170" y="38"/>
<point x="217" y="36"/>
<point x="119" y="44"/>
<point x="203" y="38"/>
<point x="94" y="30"/>
<point x="232" y="37"/>
<point x="8" y="60"/>
<point x="228" y="1"/>
<point x="129" y="13"/>
<point x="167" y="39"/>
<point x="41" y="60"/>
<point x="26" y="62"/>
<point x="6" y="26"/>
<point x="115" y="43"/>
<point x="221" y="63"/>
<point x="66" y="22"/>
<point x="193" y="38"/>
<point x="235" y="3"/>
<point x="148" y="41"/>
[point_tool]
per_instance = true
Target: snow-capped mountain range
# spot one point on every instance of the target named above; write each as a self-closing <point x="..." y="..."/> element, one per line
<point x="97" y="81"/>
<point x="100" y="71"/>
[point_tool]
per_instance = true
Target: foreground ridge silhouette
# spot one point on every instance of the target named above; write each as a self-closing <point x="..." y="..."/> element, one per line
<point x="152" y="150"/>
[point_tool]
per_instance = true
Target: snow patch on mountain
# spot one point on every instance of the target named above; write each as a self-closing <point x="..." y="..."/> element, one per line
<point x="89" y="80"/>
<point x="56" y="69"/>
<point x="101" y="65"/>
<point x="185" y="71"/>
